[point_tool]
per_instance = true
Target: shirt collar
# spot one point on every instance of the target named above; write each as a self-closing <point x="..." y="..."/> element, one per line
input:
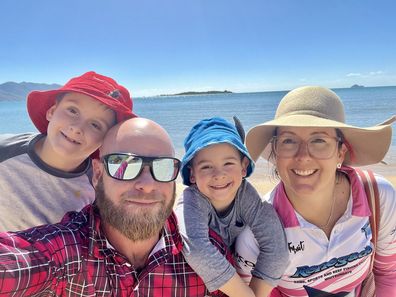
<point x="51" y="170"/>
<point x="360" y="206"/>
<point x="285" y="210"/>
<point x="97" y="239"/>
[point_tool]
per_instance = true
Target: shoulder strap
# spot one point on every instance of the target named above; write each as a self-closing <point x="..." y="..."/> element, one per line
<point x="371" y="188"/>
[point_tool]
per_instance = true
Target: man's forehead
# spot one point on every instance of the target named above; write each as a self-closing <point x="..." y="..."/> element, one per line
<point x="145" y="145"/>
<point x="138" y="136"/>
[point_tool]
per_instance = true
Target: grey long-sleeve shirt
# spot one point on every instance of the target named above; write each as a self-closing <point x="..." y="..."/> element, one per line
<point x="196" y="215"/>
<point x="31" y="192"/>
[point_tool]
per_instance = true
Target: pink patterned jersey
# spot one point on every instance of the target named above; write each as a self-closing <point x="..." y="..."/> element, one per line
<point x="335" y="266"/>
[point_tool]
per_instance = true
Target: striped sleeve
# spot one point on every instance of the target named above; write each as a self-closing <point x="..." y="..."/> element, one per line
<point x="385" y="258"/>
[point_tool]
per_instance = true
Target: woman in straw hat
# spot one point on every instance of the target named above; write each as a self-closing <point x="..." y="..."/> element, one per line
<point x="321" y="200"/>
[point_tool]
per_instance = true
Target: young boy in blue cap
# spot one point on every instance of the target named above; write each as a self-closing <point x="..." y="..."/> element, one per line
<point x="219" y="198"/>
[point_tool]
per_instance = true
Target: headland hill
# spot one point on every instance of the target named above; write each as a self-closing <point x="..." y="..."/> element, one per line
<point x="12" y="91"/>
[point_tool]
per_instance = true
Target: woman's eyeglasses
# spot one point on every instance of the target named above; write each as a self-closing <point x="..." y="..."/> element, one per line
<point x="126" y="166"/>
<point x="318" y="147"/>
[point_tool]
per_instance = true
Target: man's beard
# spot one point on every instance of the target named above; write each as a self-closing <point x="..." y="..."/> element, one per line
<point x="138" y="226"/>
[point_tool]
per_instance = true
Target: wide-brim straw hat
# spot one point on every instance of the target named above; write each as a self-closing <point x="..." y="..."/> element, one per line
<point x="313" y="106"/>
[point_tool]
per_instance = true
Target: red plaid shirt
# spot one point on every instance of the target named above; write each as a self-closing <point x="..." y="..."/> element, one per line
<point x="72" y="259"/>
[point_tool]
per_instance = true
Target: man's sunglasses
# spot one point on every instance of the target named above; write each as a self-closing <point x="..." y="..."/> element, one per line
<point x="126" y="166"/>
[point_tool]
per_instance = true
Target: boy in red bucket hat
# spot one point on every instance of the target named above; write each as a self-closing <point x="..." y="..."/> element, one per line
<point x="44" y="175"/>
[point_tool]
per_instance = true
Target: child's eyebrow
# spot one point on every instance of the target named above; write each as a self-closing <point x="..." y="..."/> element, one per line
<point x="226" y="158"/>
<point x="231" y="158"/>
<point x="200" y="162"/>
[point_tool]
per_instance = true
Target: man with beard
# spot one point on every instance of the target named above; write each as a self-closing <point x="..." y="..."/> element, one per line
<point x="126" y="244"/>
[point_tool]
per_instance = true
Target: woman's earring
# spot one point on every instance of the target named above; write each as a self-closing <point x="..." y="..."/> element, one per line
<point x="338" y="165"/>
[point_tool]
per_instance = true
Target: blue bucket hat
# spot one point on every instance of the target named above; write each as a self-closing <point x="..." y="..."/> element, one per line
<point x="208" y="132"/>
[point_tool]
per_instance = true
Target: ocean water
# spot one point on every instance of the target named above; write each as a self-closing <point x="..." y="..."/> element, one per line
<point x="364" y="107"/>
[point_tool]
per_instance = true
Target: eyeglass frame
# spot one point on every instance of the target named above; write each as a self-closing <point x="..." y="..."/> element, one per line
<point x="146" y="161"/>
<point x="339" y="142"/>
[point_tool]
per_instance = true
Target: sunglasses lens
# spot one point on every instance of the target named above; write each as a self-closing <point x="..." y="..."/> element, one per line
<point x="128" y="166"/>
<point x="124" y="166"/>
<point x="165" y="169"/>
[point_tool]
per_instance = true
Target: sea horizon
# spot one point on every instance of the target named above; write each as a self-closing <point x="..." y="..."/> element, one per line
<point x="203" y="93"/>
<point x="364" y="107"/>
<point x="229" y="91"/>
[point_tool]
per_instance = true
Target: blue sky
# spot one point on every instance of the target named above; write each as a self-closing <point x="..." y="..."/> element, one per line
<point x="157" y="47"/>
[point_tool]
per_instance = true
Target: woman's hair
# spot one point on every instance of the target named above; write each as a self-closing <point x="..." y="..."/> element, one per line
<point x="341" y="136"/>
<point x="274" y="172"/>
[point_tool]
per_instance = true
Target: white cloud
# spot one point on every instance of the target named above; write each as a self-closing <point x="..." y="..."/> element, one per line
<point x="367" y="74"/>
<point x="376" y="72"/>
<point x="353" y="74"/>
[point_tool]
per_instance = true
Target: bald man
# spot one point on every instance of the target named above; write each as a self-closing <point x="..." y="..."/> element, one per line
<point x="126" y="244"/>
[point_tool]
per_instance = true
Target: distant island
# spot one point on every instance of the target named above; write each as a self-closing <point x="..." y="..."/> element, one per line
<point x="198" y="93"/>
<point x="357" y="86"/>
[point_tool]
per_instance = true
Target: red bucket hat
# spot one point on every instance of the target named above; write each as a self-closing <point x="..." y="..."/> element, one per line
<point x="99" y="87"/>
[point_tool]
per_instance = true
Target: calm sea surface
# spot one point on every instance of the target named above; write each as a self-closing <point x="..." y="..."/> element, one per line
<point x="364" y="107"/>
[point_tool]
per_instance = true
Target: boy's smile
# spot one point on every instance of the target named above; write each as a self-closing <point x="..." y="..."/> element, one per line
<point x="220" y="187"/>
<point x="69" y="139"/>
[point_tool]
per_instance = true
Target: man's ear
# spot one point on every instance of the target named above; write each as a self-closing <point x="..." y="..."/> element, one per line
<point x="245" y="163"/>
<point x="50" y="112"/>
<point x="97" y="170"/>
